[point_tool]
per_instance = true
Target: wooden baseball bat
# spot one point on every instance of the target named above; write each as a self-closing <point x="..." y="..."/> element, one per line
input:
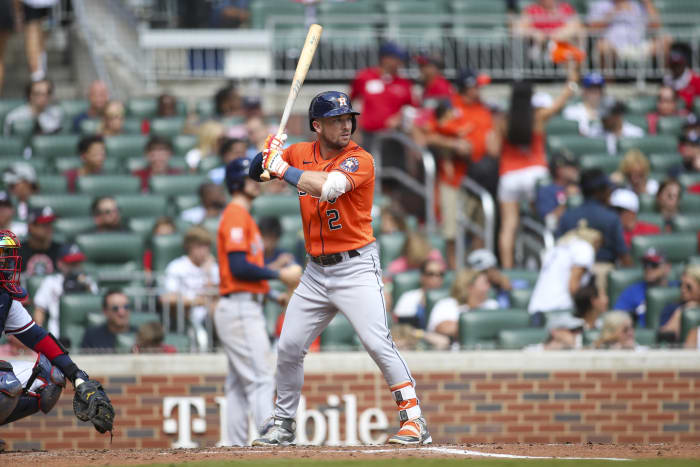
<point x="307" y="55"/>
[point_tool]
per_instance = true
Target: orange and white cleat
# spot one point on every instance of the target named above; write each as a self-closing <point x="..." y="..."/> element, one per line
<point x="412" y="432"/>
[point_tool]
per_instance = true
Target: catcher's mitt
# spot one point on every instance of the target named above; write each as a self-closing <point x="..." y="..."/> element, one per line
<point x="90" y="402"/>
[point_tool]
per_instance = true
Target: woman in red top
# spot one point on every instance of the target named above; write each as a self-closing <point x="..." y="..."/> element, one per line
<point x="520" y="141"/>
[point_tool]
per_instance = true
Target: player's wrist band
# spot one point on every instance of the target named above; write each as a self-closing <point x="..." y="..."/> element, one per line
<point x="292" y="175"/>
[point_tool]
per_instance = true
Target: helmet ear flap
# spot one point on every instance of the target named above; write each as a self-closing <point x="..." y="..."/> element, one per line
<point x="354" y="124"/>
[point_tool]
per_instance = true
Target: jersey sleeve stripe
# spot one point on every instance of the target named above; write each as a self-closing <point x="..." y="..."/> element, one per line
<point x="20" y="330"/>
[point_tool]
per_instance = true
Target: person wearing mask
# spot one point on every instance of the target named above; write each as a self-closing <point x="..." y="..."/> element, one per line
<point x="117" y="311"/>
<point x="40" y="251"/>
<point x="681" y="76"/>
<point x="39" y="108"/>
<point x="92" y="154"/>
<point x="656" y="272"/>
<point x="410" y="307"/>
<point x="158" y="151"/>
<point x="551" y="199"/>
<point x="212" y="201"/>
<point x="98" y="97"/>
<point x="70" y="278"/>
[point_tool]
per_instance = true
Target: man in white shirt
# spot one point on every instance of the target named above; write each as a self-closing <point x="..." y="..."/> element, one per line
<point x="192" y="280"/>
<point x="47" y="118"/>
<point x="212" y="201"/>
<point x="586" y="112"/>
<point x="410" y="307"/>
<point x="615" y="126"/>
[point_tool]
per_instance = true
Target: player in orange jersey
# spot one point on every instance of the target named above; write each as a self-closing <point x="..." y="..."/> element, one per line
<point x="335" y="180"/>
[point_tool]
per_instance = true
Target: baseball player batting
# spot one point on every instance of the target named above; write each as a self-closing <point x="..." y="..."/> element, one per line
<point x="25" y="387"/>
<point x="335" y="181"/>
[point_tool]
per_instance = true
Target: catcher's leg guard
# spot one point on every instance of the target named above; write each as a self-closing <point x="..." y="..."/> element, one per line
<point x="10" y="391"/>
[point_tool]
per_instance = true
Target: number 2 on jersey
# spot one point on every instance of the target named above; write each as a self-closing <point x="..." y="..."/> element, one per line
<point x="333" y="219"/>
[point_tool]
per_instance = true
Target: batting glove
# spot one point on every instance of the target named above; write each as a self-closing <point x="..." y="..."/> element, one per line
<point x="275" y="143"/>
<point x="273" y="163"/>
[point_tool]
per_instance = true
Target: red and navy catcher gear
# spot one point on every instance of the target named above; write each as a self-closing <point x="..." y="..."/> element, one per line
<point x="331" y="104"/>
<point x="10" y="265"/>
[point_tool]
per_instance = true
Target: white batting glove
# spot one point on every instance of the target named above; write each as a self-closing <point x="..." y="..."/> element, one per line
<point x="273" y="163"/>
<point x="275" y="143"/>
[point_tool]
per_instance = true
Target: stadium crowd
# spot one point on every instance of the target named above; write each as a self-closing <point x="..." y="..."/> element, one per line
<point x="612" y="181"/>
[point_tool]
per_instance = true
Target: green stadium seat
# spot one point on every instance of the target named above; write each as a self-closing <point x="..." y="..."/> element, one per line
<point x="664" y="162"/>
<point x="205" y="108"/>
<point x="11" y="146"/>
<point x="142" y="226"/>
<point x="55" y="145"/>
<point x="478" y="7"/>
<point x="52" y="184"/>
<point x="108" y="185"/>
<point x="132" y="126"/>
<point x="677" y="246"/>
<point x="209" y="163"/>
<point x="72" y="108"/>
<point x="647" y="337"/>
<point x="652" y="218"/>
<point x="261" y="11"/>
<point x="335" y="9"/>
<point x="125" y="146"/>
<point x="605" y="162"/>
<point x="647" y="203"/>
<point x="275" y="205"/>
<point x="111" y="248"/>
<point x="553" y="315"/>
<point x="63" y="205"/>
<point x="404" y="282"/>
<point x="124" y="343"/>
<point x="590" y="336"/>
<point x="167" y="127"/>
<point x="165" y="249"/>
<point x="183" y="202"/>
<point x="516" y="339"/>
<point x="689" y="179"/>
<point x="639" y="120"/>
<point x="142" y="107"/>
<point x="558" y="125"/>
<point x="641" y="104"/>
<point x="183" y="143"/>
<point x="339" y="335"/>
<point x="522" y="275"/>
<point x="690" y="203"/>
<point x="63" y="164"/>
<point x="137" y="318"/>
<point x="480" y="328"/>
<point x="23" y="129"/>
<point x="390" y="246"/>
<point x="649" y="144"/>
<point x="415" y="7"/>
<point x="577" y="144"/>
<point x="174" y="185"/>
<point x="90" y="126"/>
<point x="6" y="105"/>
<point x="291" y="224"/>
<point x="686" y="223"/>
<point x="71" y="227"/>
<point x="689" y="320"/>
<point x="180" y="341"/>
<point x="96" y="318"/>
<point x="74" y="309"/>
<point x="41" y="166"/>
<point x="432" y="297"/>
<point x="657" y="299"/>
<point x="33" y="284"/>
<point x="671" y="125"/>
<point x="520" y="298"/>
<point x="142" y="205"/>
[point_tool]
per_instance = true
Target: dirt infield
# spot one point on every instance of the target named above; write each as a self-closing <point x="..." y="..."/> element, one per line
<point x="74" y="458"/>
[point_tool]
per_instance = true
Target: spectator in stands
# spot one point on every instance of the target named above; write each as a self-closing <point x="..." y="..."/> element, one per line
<point x="689" y="148"/>
<point x="410" y="307"/>
<point x="230" y="149"/>
<point x="112" y="119"/>
<point x="150" y="339"/>
<point x="98" y="97"/>
<point x="668" y="200"/>
<point x="256" y="132"/>
<point x="666" y="106"/>
<point x="681" y="77"/>
<point x="469" y="291"/>
<point x="47" y="118"/>
<point x="565" y="268"/>
<point x="587" y="112"/>
<point x="20" y="181"/>
<point x="617" y="332"/>
<point x="382" y="92"/>
<point x="672" y="313"/>
<point x="634" y="174"/>
<point x="166" y="106"/>
<point x="612" y="115"/>
<point x="627" y="204"/>
<point x="596" y="188"/>
<point x="566" y="330"/>
<point x="107" y="216"/>
<point x="192" y="279"/>
<point x="392" y="220"/>
<point x="485" y="261"/>
<point x="117" y="311"/>
<point x="209" y="136"/>
<point x="229" y="14"/>
<point x="275" y="257"/>
<point x="416" y="250"/>
<point x="624" y="25"/>
<point x="8" y="13"/>
<point x="158" y="151"/>
<point x="164" y="225"/>
<point x="228" y="103"/>
<point x="549" y="21"/>
<point x="7" y="214"/>
<point x="92" y="153"/>
<point x="70" y="278"/>
<point x="212" y="200"/>
<point x="633" y="299"/>
<point x="39" y="252"/>
<point x="435" y="85"/>
<point x="520" y="141"/>
<point x="551" y="199"/>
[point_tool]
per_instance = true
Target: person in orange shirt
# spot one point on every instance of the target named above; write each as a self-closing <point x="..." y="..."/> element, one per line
<point x="335" y="180"/>
<point x="457" y="134"/>
<point x="239" y="319"/>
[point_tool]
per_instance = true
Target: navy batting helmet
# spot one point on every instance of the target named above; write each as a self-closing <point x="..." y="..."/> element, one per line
<point x="236" y="173"/>
<point x="331" y="104"/>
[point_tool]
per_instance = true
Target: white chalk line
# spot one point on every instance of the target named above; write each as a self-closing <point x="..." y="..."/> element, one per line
<point x="435" y="449"/>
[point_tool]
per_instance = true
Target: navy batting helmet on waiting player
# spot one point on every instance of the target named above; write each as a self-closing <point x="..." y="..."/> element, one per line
<point x="331" y="104"/>
<point x="236" y="173"/>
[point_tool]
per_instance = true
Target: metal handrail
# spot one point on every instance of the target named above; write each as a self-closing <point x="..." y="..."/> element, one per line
<point x="90" y="42"/>
<point x="487" y="232"/>
<point x="427" y="190"/>
<point x="543" y="239"/>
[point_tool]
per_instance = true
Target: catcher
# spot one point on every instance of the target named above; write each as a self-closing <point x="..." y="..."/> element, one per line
<point x="26" y="388"/>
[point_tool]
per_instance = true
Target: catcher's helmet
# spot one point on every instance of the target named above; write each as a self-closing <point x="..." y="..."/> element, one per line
<point x="331" y="104"/>
<point x="236" y="173"/>
<point x="10" y="264"/>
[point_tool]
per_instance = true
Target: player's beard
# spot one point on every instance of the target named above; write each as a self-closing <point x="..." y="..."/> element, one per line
<point x="335" y="145"/>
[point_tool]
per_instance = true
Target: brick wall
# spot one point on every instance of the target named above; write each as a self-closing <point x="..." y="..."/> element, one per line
<point x="532" y="406"/>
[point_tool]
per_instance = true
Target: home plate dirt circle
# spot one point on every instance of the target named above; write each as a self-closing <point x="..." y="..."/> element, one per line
<point x="78" y="457"/>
